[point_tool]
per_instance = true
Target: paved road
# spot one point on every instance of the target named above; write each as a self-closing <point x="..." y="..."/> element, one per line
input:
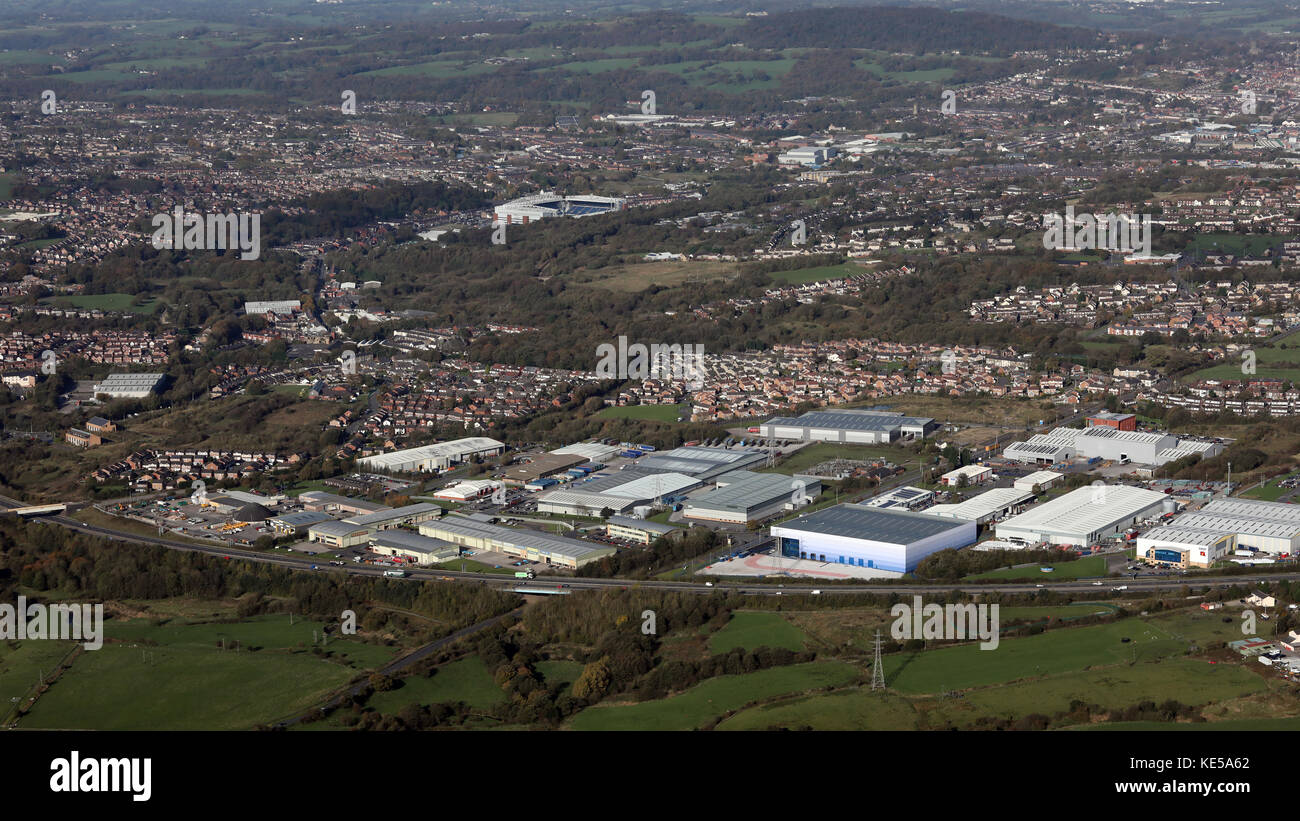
<point x="575" y="583"/>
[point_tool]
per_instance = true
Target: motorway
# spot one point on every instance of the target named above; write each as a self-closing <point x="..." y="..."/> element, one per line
<point x="575" y="583"/>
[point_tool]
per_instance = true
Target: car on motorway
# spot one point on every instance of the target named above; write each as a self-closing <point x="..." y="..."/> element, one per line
<point x="708" y="584"/>
<point x="1097" y="584"/>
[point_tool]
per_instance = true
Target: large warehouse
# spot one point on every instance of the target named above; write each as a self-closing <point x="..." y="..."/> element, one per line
<point x="855" y="427"/>
<point x="702" y="463"/>
<point x="1272" y="527"/>
<point x="1185" y="546"/>
<point x="429" y="458"/>
<point x="1084" y="516"/>
<point x="540" y="206"/>
<point x="1103" y="442"/>
<point x="987" y="506"/>
<point x="866" y="536"/>
<point x="743" y="496"/>
<point x="526" y="544"/>
<point x="621" y="493"/>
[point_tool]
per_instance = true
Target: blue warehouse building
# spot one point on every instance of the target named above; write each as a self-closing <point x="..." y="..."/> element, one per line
<point x="864" y="536"/>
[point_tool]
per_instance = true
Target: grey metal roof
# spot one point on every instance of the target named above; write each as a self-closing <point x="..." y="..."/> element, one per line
<point x="396" y="513"/>
<point x="876" y="523"/>
<point x="754" y="490"/>
<point x="850" y="420"/>
<point x="640" y="524"/>
<point x="337" y="528"/>
<point x="407" y="540"/>
<point x="543" y="542"/>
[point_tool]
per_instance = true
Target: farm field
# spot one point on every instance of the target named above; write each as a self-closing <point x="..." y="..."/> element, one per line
<point x="466" y="680"/>
<point x="713" y="697"/>
<point x="751" y="630"/>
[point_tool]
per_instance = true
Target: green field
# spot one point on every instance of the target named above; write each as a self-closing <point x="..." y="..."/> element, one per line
<point x="1189" y="681"/>
<point x="656" y="413"/>
<point x="187" y="689"/>
<point x="714" y="697"/>
<point x="1087" y="567"/>
<point x="466" y="680"/>
<point x="265" y="673"/>
<point x="106" y="302"/>
<point x="1051" y="653"/>
<point x="1270" y="363"/>
<point x="751" y="630"/>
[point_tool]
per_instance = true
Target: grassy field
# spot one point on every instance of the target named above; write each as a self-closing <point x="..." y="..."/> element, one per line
<point x="1270" y="363"/>
<point x="1187" y="680"/>
<point x="642" y="275"/>
<point x="1046" y="654"/>
<point x="106" y="302"/>
<point x="656" y="413"/>
<point x="751" y="630"/>
<point x="1087" y="567"/>
<point x="265" y="673"/>
<point x="810" y="455"/>
<point x="466" y="680"/>
<point x="714" y="697"/>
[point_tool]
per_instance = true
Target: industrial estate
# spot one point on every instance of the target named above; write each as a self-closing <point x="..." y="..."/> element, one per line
<point x="578" y="368"/>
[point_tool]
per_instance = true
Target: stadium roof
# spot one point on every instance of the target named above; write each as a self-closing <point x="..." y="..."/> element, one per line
<point x="875" y="523"/>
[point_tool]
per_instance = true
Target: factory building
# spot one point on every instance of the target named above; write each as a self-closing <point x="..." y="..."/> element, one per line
<point x="1038" y="481"/>
<point x="974" y="475"/>
<point x="865" y="536"/>
<point x="358" y="529"/>
<point x="291" y="524"/>
<point x="1269" y="527"/>
<point x="1183" y="547"/>
<point x="743" y="496"/>
<point x="332" y="503"/>
<point x="1109" y="443"/>
<point x="541" y="466"/>
<point x="526" y="544"/>
<point x="853" y="427"/>
<point x="412" y="547"/>
<point x="904" y="498"/>
<point x="639" y="531"/>
<point x="128" y="385"/>
<point x="1084" y="516"/>
<point x="431" y="458"/>
<point x="703" y="464"/>
<point x="987" y="506"/>
<point x="467" y="491"/>
<point x="590" y="451"/>
<point x="622" y="493"/>
<point x="1118" y="421"/>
